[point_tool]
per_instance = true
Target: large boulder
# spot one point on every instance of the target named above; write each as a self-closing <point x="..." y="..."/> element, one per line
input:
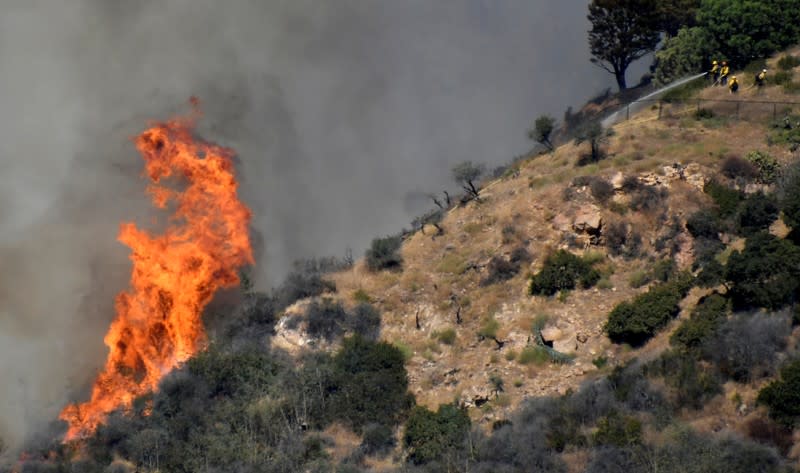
<point x="588" y="220"/>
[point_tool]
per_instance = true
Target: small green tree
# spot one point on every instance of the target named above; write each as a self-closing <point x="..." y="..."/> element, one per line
<point x="622" y="32"/>
<point x="596" y="136"/>
<point x="541" y="131"/>
<point x="563" y="271"/>
<point x="467" y="174"/>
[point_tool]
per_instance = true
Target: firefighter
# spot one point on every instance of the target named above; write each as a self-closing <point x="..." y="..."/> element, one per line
<point x="733" y="85"/>
<point x="760" y="78"/>
<point x="713" y="74"/>
<point x="723" y="73"/>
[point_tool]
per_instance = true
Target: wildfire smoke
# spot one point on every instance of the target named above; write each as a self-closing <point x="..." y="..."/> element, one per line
<point x="175" y="274"/>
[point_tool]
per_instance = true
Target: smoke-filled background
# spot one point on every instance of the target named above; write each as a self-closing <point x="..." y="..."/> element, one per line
<point x="340" y="111"/>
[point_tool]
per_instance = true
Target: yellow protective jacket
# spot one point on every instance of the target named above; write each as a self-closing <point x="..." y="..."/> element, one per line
<point x="714" y="68"/>
<point x="760" y="77"/>
<point x="733" y="85"/>
<point x="725" y="71"/>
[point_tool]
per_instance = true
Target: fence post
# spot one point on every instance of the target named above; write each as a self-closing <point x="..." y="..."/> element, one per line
<point x="737" y="109"/>
<point x="659" y="110"/>
<point x="628" y="112"/>
<point x="698" y="105"/>
<point x="774" y="111"/>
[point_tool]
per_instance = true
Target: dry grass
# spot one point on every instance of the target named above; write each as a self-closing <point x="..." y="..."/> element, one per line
<point x="441" y="274"/>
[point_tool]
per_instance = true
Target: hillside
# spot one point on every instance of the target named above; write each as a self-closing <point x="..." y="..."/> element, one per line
<point x="479" y="347"/>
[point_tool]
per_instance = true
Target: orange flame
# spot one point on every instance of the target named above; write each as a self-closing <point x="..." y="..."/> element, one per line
<point x="158" y="323"/>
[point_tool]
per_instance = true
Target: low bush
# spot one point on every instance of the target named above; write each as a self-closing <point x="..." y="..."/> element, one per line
<point x="446" y="336"/>
<point x="618" y="430"/>
<point x="765" y="274"/>
<point x="533" y="355"/>
<point x="782" y="77"/>
<point x="563" y="271"/>
<point x="767" y="432"/>
<point x="649" y="198"/>
<point x="757" y="213"/>
<point x="735" y="167"/>
<point x="620" y="241"/>
<point x="788" y="62"/>
<point x="706" y="317"/>
<point x="782" y="396"/>
<point x="377" y="439"/>
<point x="703" y="114"/>
<point x="499" y="270"/>
<point x="726" y="199"/>
<point x="692" y="384"/>
<point x="384" y="253"/>
<point x="703" y="224"/>
<point x="634" y="322"/>
<point x="767" y="166"/>
<point x="745" y="347"/>
<point x="601" y="189"/>
<point x="433" y="436"/>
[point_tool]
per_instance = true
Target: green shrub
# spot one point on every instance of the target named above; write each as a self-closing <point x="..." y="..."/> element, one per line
<point x="757" y="213"/>
<point x="618" y="430"/>
<point x="782" y="396"/>
<point x="704" y="321"/>
<point x="563" y="271"/>
<point x="789" y="191"/>
<point x="384" y="253"/>
<point x="788" y="62"/>
<point x="446" y="336"/>
<point x="533" y="355"/>
<point x="726" y="199"/>
<point x="371" y="383"/>
<point x="636" y="321"/>
<point x="768" y="167"/>
<point x="433" y="436"/>
<point x="782" y="77"/>
<point x="693" y="385"/>
<point x="489" y="328"/>
<point x="765" y="274"/>
<point x="703" y="224"/>
<point x="377" y="439"/>
<point x="639" y="278"/>
<point x="361" y="295"/>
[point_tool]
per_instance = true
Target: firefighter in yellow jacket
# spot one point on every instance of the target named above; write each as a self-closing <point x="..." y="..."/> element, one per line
<point x="713" y="74"/>
<point x="733" y="85"/>
<point x="723" y="73"/>
<point x="761" y="77"/>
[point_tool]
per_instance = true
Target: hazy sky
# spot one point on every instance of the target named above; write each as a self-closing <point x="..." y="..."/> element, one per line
<point x="339" y="111"/>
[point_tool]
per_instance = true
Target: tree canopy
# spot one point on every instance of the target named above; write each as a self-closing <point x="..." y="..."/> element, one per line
<point x="622" y="32"/>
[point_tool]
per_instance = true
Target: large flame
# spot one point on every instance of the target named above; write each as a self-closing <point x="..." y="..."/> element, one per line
<point x="158" y="323"/>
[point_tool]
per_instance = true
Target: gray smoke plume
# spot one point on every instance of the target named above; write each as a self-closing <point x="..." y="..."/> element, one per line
<point x="338" y="110"/>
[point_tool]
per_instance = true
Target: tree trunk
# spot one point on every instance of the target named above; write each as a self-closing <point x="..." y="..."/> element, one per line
<point x="620" y="76"/>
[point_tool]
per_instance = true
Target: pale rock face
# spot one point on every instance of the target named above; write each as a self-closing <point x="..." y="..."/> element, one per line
<point x="588" y="220"/>
<point x="617" y="181"/>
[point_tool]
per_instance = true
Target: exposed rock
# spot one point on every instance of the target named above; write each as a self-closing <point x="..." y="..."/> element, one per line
<point x="582" y="337"/>
<point x="693" y="174"/>
<point x="588" y="220"/>
<point x="617" y="181"/>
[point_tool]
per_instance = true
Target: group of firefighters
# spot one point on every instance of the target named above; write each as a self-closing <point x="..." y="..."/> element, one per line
<point x="720" y="75"/>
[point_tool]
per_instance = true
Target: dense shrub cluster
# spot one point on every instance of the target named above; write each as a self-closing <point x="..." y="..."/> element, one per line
<point x="328" y="319"/>
<point x="767" y="166"/>
<point x="563" y="271"/>
<point x="384" y="253"/>
<point x="709" y="314"/>
<point x="745" y="347"/>
<point x="634" y="322"/>
<point x="436" y="436"/>
<point x="765" y="274"/>
<point x="621" y="241"/>
<point x="782" y="396"/>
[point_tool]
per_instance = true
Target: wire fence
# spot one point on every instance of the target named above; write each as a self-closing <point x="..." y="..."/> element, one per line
<point x="755" y="110"/>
